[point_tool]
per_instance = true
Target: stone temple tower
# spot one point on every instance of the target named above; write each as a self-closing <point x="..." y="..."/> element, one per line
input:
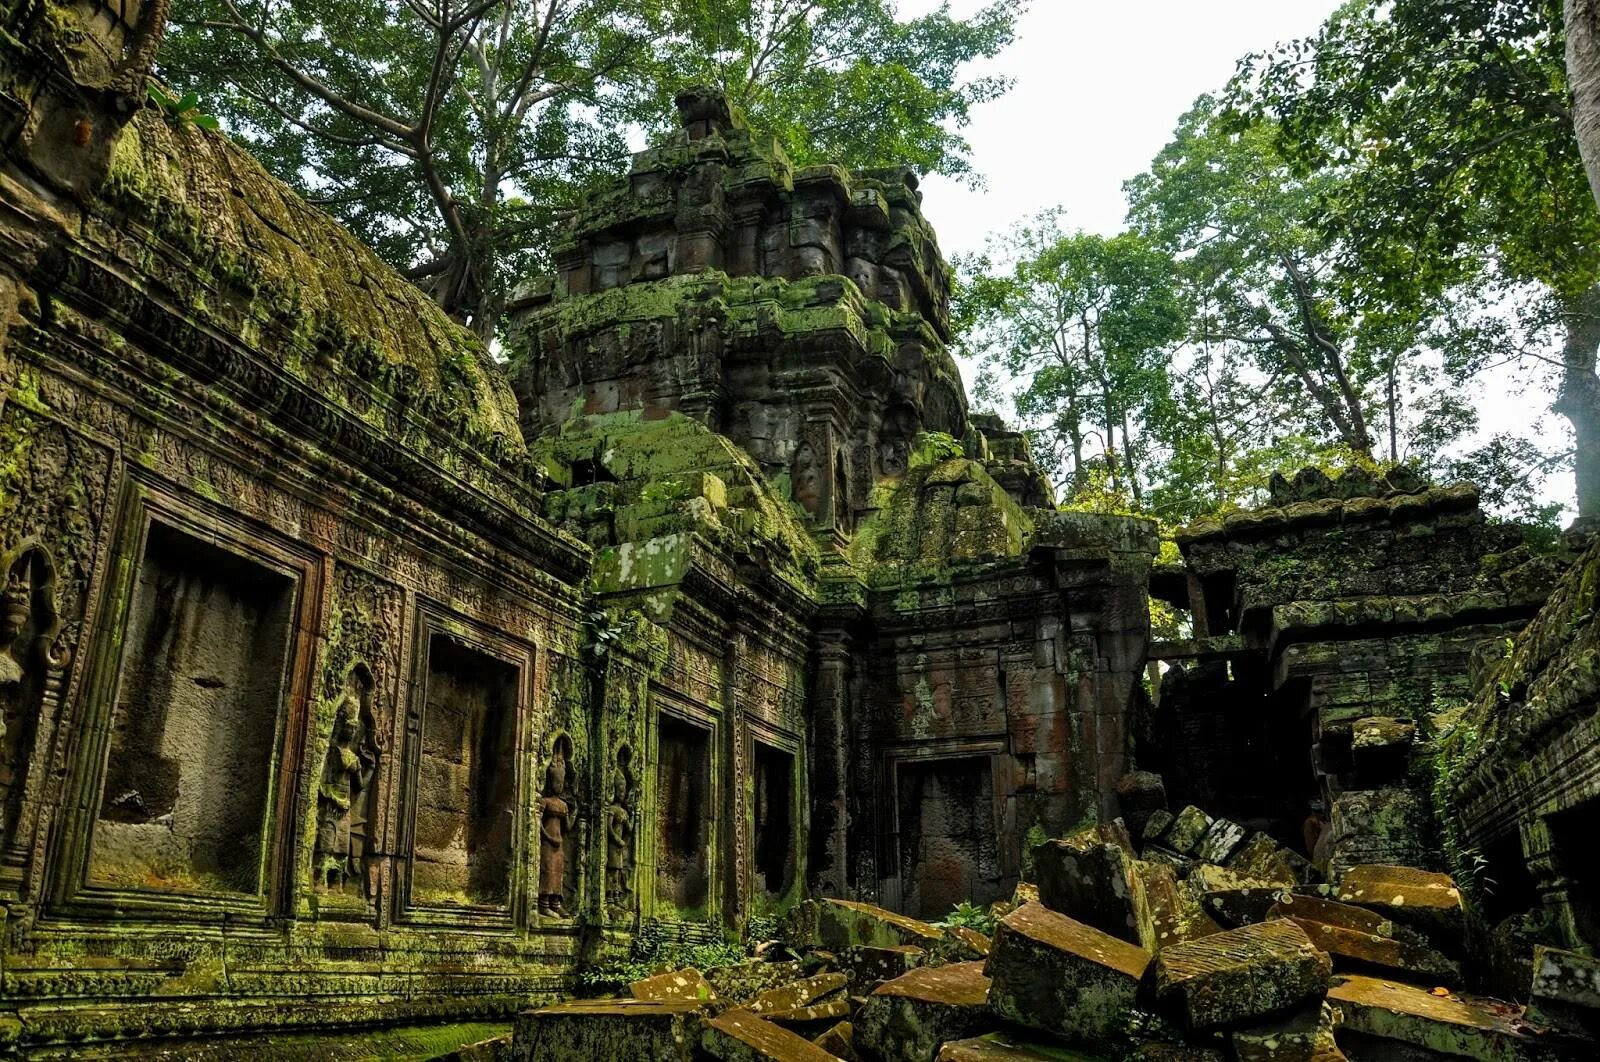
<point x="740" y="351"/>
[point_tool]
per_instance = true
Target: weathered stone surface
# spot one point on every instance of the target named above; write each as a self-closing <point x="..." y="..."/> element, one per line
<point x="615" y="1029"/>
<point x="686" y="985"/>
<point x="1094" y="884"/>
<point x="1380" y="747"/>
<point x="908" y="1018"/>
<point x="1233" y="977"/>
<point x="960" y="944"/>
<point x="1305" y="1035"/>
<point x="1187" y="828"/>
<point x="1221" y="839"/>
<point x="1234" y="899"/>
<point x="1378" y="826"/>
<point x="846" y="923"/>
<point x="1349" y="932"/>
<point x="1005" y="1047"/>
<point x="1053" y="973"/>
<point x="743" y="981"/>
<point x="1140" y="794"/>
<point x="1402" y="1016"/>
<point x="867" y="966"/>
<point x="1565" y="992"/>
<point x="1157" y="824"/>
<point x="1168" y="911"/>
<point x="1422" y="898"/>
<point x="839" y="1041"/>
<point x="1265" y="859"/>
<point x="800" y="993"/>
<point x="739" y="1036"/>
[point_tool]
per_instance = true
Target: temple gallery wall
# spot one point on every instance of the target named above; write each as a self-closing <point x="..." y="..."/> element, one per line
<point x="350" y="677"/>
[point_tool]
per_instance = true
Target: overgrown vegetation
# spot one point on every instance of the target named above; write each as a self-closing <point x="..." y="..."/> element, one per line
<point x="968" y="915"/>
<point x="650" y="955"/>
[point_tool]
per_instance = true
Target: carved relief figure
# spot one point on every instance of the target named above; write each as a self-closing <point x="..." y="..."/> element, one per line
<point x="28" y="625"/>
<point x="555" y="814"/>
<point x="344" y="796"/>
<point x="619" y="834"/>
<point x="807" y="481"/>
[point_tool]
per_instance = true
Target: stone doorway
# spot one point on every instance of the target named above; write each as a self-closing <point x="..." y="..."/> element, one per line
<point x="947" y="840"/>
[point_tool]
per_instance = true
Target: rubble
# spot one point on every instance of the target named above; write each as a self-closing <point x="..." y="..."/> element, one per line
<point x="679" y="986"/>
<point x="1232" y="977"/>
<point x="1565" y="992"/>
<point x="1305" y="1035"/>
<point x="838" y="1041"/>
<point x="841" y="924"/>
<point x="1361" y="936"/>
<point x="1093" y="883"/>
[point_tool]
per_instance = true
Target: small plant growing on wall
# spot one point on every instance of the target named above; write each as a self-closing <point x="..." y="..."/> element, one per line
<point x="182" y="110"/>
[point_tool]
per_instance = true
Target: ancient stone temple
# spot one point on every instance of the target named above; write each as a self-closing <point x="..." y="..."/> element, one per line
<point x="355" y="683"/>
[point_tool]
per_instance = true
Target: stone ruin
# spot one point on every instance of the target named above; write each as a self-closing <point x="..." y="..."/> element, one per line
<point x="360" y="689"/>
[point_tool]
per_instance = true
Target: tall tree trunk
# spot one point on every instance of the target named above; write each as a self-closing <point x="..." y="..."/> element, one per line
<point x="1394" y="411"/>
<point x="1583" y="75"/>
<point x="1579" y="396"/>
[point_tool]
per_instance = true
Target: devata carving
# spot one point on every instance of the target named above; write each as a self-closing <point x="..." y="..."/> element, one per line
<point x="619" y="833"/>
<point x="28" y="625"/>
<point x="555" y="814"/>
<point x="344" y="797"/>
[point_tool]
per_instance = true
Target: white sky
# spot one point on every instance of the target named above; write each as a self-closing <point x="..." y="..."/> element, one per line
<point x="1098" y="89"/>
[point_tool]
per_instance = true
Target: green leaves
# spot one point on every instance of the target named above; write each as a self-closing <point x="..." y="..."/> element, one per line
<point x="180" y="110"/>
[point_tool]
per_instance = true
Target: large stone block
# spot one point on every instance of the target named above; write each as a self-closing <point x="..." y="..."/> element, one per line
<point x="844" y="923"/>
<point x="1565" y="993"/>
<point x="1263" y="858"/>
<point x="1378" y="826"/>
<point x="1169" y="911"/>
<point x="1363" y="936"/>
<point x="1305" y="1035"/>
<point x="1053" y="973"/>
<point x="1243" y="974"/>
<point x="607" y="1029"/>
<point x="739" y="1036"/>
<point x="1094" y="884"/>
<point x="679" y="986"/>
<point x="1427" y="900"/>
<point x="1232" y="898"/>
<point x="1388" y="1019"/>
<point x="1183" y="836"/>
<point x="905" y="1020"/>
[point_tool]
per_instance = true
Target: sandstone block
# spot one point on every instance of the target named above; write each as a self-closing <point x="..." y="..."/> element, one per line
<point x="1262" y="857"/>
<point x="1221" y="839"/>
<point x="609" y="1029"/>
<point x="1565" y="993"/>
<point x="686" y="985"/>
<point x="801" y="993"/>
<point x="1053" y="973"/>
<point x="1183" y="836"/>
<point x="1168" y="911"/>
<point x="1377" y="826"/>
<point x="866" y="967"/>
<point x="843" y="923"/>
<point x="1354" y="933"/>
<point x="1404" y="1021"/>
<point x="1381" y="748"/>
<point x="1094" y="884"/>
<point x="839" y="1041"/>
<point x="1243" y="974"/>
<point x="1140" y="794"/>
<point x="1156" y="825"/>
<point x="746" y="980"/>
<point x="1305" y="1035"/>
<point x="905" y="1020"/>
<point x="997" y="1047"/>
<point x="1232" y="898"/>
<point x="739" y="1036"/>
<point x="1422" y="898"/>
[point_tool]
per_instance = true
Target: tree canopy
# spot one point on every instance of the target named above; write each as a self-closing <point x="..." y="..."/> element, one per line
<point x="451" y="135"/>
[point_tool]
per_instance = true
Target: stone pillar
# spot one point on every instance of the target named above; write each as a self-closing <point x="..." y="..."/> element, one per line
<point x="830" y="764"/>
<point x="1555" y="889"/>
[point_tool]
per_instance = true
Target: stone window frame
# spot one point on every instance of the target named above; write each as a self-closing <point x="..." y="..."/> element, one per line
<point x="665" y="702"/>
<point x="144" y="501"/>
<point x="431" y="617"/>
<point x="781" y="740"/>
<point x="992" y="748"/>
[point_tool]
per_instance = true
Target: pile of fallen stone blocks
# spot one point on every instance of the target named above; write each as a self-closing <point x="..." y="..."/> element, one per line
<point x="1203" y="943"/>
